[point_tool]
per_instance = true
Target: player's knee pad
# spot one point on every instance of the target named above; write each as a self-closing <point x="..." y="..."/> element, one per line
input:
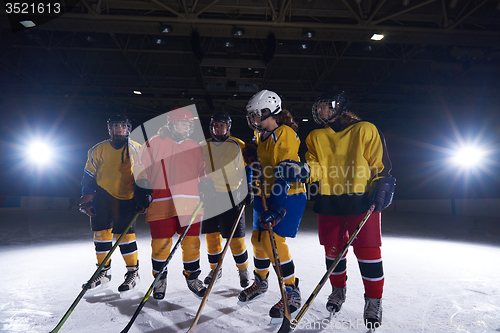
<point x="127" y="238"/>
<point x="368" y="253"/>
<point x="214" y="242"/>
<point x="238" y="245"/>
<point x="190" y="248"/>
<point x="103" y="235"/>
<point x="160" y="248"/>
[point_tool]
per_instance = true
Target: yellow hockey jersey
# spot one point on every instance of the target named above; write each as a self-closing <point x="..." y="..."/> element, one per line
<point x="224" y="163"/>
<point x="282" y="144"/>
<point x="345" y="163"/>
<point x="112" y="168"/>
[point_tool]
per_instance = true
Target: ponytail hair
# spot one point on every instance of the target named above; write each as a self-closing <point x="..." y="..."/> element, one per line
<point x="285" y="118"/>
<point x="348" y="118"/>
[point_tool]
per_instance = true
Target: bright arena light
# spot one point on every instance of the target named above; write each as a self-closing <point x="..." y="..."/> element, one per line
<point x="39" y="153"/>
<point x="469" y="156"/>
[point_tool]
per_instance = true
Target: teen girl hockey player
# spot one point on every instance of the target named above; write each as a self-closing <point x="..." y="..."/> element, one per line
<point x="226" y="167"/>
<point x="108" y="198"/>
<point x="349" y="159"/>
<point x="276" y="141"/>
<point x="174" y="167"/>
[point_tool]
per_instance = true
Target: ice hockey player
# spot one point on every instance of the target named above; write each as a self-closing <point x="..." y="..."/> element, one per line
<point x="349" y="159"/>
<point x="232" y="179"/>
<point x="108" y="198"/>
<point x="174" y="167"/>
<point x="277" y="141"/>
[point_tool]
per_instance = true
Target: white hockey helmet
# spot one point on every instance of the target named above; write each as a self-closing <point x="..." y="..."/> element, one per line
<point x="263" y="104"/>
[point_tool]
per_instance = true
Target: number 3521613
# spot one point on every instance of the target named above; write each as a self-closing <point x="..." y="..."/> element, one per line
<point x="33" y="8"/>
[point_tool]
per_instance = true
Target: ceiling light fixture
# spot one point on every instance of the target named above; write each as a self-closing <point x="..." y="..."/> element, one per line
<point x="159" y="41"/>
<point x="137" y="92"/>
<point x="166" y="28"/>
<point x="238" y="31"/>
<point x="377" y="37"/>
<point x="28" y="24"/>
<point x="306" y="33"/>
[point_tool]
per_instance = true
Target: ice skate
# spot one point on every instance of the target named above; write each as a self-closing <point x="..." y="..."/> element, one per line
<point x="259" y="287"/>
<point x="373" y="313"/>
<point x="195" y="284"/>
<point x="101" y="281"/>
<point x="336" y="299"/>
<point x="293" y="300"/>
<point x="244" y="277"/>
<point x="210" y="276"/>
<point x="131" y="279"/>
<point x="160" y="287"/>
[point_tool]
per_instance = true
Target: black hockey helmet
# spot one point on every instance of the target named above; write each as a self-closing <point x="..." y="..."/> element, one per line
<point x="336" y="101"/>
<point x="220" y="117"/>
<point x="115" y="132"/>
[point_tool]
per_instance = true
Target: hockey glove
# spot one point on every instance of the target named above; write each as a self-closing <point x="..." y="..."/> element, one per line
<point x="250" y="195"/>
<point x="250" y="153"/>
<point x="273" y="215"/>
<point x="382" y="192"/>
<point x="206" y="189"/>
<point x="143" y="193"/>
<point x="87" y="204"/>
<point x="292" y="171"/>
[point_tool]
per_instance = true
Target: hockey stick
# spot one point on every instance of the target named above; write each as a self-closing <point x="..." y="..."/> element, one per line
<point x="285" y="326"/>
<point x="325" y="277"/>
<point x="219" y="264"/>
<point x="163" y="268"/>
<point x="97" y="271"/>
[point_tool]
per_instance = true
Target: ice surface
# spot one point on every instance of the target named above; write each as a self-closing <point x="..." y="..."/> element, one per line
<point x="432" y="284"/>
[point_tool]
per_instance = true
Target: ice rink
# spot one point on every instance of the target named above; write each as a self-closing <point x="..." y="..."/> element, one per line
<point x="441" y="275"/>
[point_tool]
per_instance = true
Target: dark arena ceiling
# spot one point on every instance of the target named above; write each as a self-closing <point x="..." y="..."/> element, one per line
<point x="438" y="64"/>
<point x="218" y="53"/>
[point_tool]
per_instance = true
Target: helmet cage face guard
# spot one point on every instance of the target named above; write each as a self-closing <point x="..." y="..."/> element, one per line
<point x="335" y="107"/>
<point x="111" y="128"/>
<point x="260" y="114"/>
<point x="219" y="137"/>
<point x="173" y="127"/>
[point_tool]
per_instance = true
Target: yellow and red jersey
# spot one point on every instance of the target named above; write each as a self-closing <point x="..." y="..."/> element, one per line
<point x="174" y="170"/>
<point x="345" y="163"/>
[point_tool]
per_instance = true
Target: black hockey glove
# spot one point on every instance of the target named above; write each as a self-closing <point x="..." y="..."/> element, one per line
<point x="382" y="192"/>
<point x="86" y="203"/>
<point x="143" y="193"/>
<point x="250" y="153"/>
<point x="250" y="195"/>
<point x="292" y="171"/>
<point x="273" y="215"/>
<point x="206" y="189"/>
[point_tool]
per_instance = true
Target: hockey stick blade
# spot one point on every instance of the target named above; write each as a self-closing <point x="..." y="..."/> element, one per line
<point x="285" y="326"/>
<point x="97" y="271"/>
<point x="157" y="277"/>
<point x="219" y="264"/>
<point x="325" y="277"/>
